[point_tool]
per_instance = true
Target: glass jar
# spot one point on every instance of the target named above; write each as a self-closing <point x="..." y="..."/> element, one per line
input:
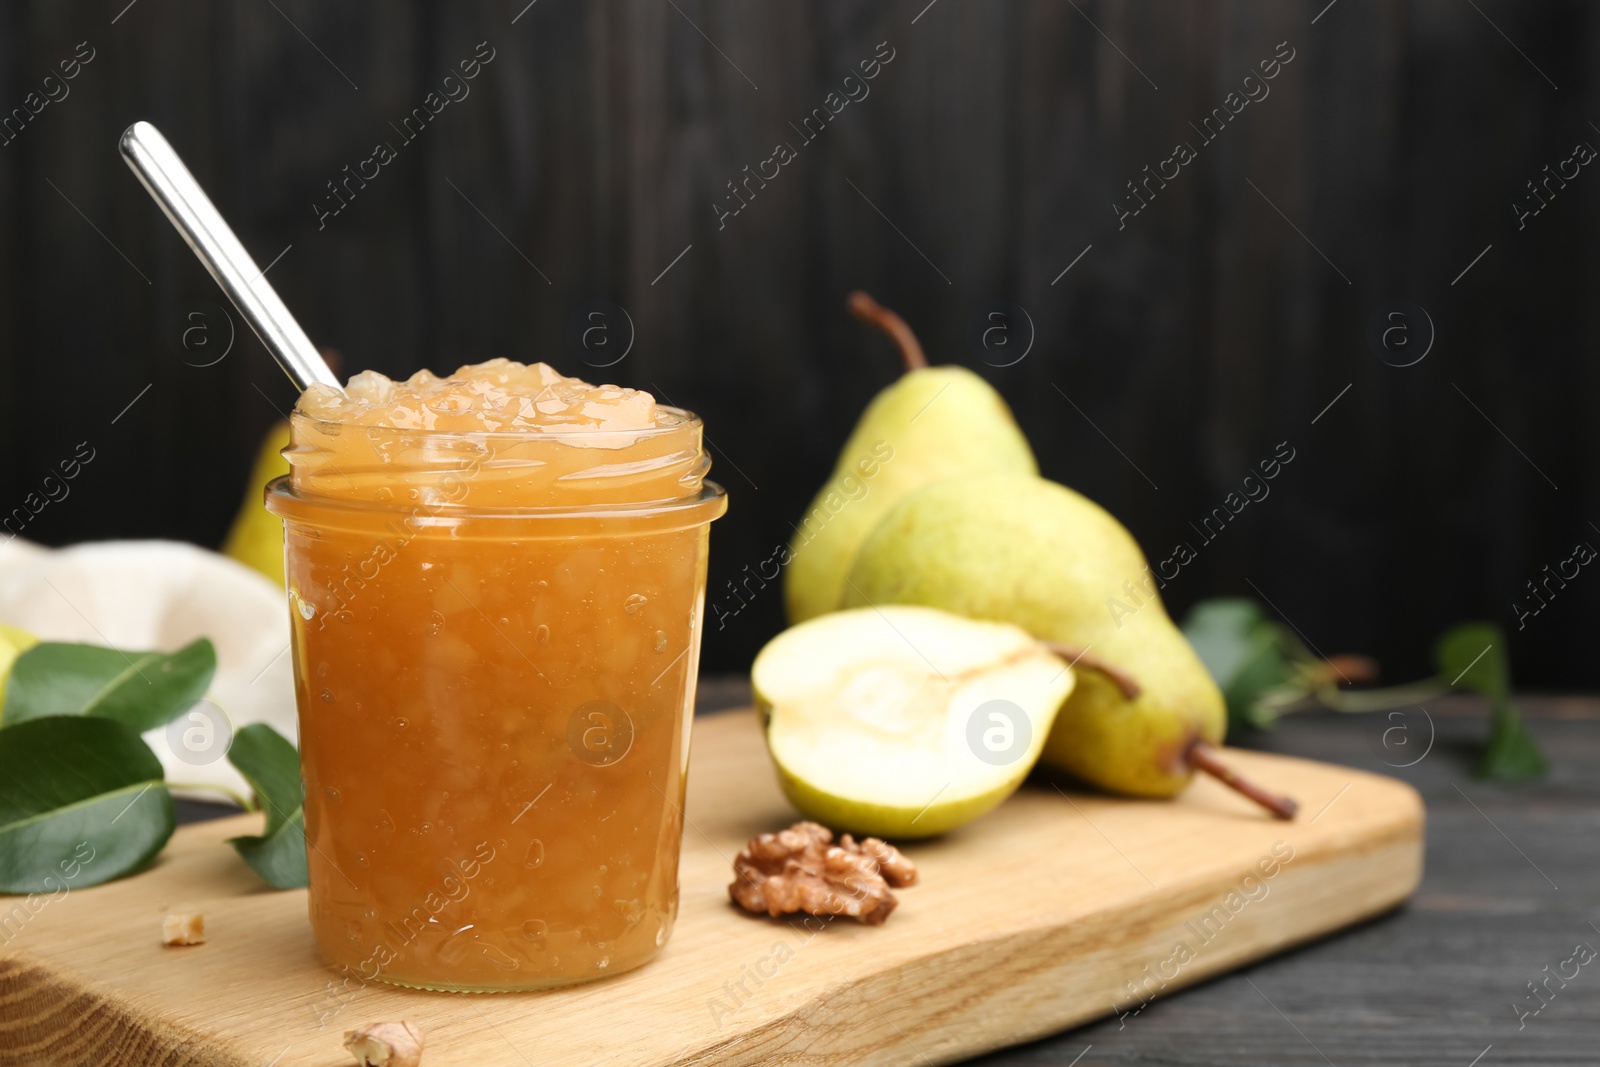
<point x="496" y="638"/>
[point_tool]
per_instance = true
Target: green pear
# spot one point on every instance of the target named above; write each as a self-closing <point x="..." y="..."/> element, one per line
<point x="934" y="422"/>
<point x="14" y="641"/>
<point x="905" y="721"/>
<point x="256" y="536"/>
<point x="1036" y="554"/>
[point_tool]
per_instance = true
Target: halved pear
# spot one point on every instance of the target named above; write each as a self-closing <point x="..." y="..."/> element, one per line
<point x="904" y="721"/>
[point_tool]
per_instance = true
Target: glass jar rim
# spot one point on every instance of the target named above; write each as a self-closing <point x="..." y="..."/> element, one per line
<point x="657" y="516"/>
<point x="684" y="419"/>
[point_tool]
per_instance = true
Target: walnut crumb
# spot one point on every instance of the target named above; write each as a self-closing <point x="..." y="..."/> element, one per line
<point x="386" y="1044"/>
<point x="183" y="928"/>
<point x="800" y="869"/>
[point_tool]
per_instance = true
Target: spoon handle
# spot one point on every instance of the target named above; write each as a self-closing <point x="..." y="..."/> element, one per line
<point x="188" y="208"/>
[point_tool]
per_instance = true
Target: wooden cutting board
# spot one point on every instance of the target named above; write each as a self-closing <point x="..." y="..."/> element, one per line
<point x="1055" y="909"/>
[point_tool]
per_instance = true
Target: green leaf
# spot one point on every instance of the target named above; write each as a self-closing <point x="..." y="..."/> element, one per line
<point x="1245" y="654"/>
<point x="82" y="801"/>
<point x="142" y="690"/>
<point x="279" y="857"/>
<point x="1473" y="656"/>
<point x="272" y="767"/>
<point x="1222" y="631"/>
<point x="1511" y="755"/>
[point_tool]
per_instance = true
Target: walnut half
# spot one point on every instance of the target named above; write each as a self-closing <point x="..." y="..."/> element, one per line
<point x="800" y="869"/>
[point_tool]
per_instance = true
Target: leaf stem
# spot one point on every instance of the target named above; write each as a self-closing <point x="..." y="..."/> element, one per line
<point x="1364" y="700"/>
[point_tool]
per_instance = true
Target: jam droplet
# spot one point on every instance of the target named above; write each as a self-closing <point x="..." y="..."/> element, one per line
<point x="534" y="930"/>
<point x="634" y="603"/>
<point x="542" y="634"/>
<point x="327" y="696"/>
<point x="661" y="641"/>
<point x="535" y="856"/>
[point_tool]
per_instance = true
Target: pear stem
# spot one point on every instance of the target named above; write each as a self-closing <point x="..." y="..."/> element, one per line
<point x="1202" y="757"/>
<point x="1080" y="657"/>
<point x="870" y="311"/>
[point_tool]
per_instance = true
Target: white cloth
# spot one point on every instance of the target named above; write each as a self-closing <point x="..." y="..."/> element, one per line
<point x="161" y="595"/>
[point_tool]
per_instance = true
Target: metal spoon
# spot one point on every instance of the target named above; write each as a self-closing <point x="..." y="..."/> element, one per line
<point x="188" y="208"/>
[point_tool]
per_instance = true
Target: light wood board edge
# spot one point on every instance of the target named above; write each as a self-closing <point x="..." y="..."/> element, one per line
<point x="1068" y="976"/>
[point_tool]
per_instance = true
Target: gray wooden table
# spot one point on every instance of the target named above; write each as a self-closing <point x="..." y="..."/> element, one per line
<point x="1512" y="887"/>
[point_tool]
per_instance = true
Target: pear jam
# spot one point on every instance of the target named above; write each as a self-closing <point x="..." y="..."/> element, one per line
<point x="496" y="583"/>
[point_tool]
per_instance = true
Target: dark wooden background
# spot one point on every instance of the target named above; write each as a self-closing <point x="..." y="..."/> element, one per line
<point x="986" y="158"/>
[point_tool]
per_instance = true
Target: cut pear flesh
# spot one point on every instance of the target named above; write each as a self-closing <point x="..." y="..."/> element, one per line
<point x="905" y="721"/>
